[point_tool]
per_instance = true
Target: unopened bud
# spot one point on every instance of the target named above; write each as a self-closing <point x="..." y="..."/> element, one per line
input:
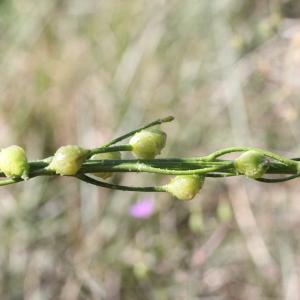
<point x="67" y="160"/>
<point x="185" y="187"/>
<point x="252" y="164"/>
<point x="146" y="144"/>
<point x="13" y="162"/>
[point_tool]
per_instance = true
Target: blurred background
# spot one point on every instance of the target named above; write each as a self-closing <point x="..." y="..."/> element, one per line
<point x="83" y="72"/>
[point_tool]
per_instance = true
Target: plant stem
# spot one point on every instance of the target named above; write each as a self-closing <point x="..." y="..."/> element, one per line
<point x="93" y="181"/>
<point x="47" y="160"/>
<point x="110" y="149"/>
<point x="141" y="167"/>
<point x="8" y="181"/>
<point x="169" y="164"/>
<point x="276" y="180"/>
<point x="125" y="136"/>
<point x="277" y="157"/>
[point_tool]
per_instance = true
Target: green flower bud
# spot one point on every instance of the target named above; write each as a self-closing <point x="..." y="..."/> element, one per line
<point x="67" y="160"/>
<point x="252" y="164"/>
<point x="104" y="156"/>
<point x="185" y="187"/>
<point x="146" y="144"/>
<point x="13" y="162"/>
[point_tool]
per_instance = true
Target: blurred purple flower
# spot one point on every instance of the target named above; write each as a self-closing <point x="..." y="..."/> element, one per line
<point x="142" y="209"/>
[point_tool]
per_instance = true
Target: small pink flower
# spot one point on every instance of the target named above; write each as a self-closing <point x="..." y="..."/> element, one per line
<point x="142" y="209"/>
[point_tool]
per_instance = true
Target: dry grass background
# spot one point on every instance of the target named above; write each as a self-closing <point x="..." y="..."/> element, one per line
<point x="85" y="71"/>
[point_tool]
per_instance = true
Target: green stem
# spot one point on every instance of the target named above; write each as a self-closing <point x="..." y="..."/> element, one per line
<point x="161" y="163"/>
<point x="8" y="181"/>
<point x="276" y="180"/>
<point x="47" y="160"/>
<point x="106" y="147"/>
<point x="93" y="181"/>
<point x="32" y="174"/>
<point x="175" y="164"/>
<point x="277" y="157"/>
<point x="125" y="136"/>
<point x="141" y="167"/>
<point x="220" y="175"/>
<point x="171" y="164"/>
<point x="110" y="149"/>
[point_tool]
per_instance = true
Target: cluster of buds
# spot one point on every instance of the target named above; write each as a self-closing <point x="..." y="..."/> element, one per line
<point x="146" y="144"/>
<point x="67" y="161"/>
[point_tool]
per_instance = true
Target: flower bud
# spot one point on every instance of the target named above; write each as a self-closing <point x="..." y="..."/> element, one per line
<point x="13" y="162"/>
<point x="67" y="160"/>
<point x="105" y="156"/>
<point x="185" y="187"/>
<point x="146" y="144"/>
<point x="252" y="164"/>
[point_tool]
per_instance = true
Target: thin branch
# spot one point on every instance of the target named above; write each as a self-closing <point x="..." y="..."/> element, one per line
<point x="131" y="133"/>
<point x="93" y="181"/>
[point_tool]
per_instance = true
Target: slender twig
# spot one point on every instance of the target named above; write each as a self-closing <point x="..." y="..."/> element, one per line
<point x="112" y="186"/>
<point x="131" y="133"/>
